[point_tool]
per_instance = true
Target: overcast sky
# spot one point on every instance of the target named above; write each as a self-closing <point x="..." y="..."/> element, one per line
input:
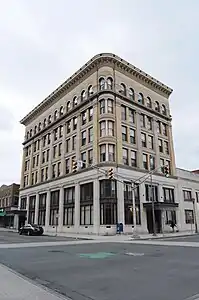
<point x="42" y="42"/>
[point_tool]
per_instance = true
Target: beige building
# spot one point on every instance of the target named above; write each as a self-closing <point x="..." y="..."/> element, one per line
<point x="108" y="114"/>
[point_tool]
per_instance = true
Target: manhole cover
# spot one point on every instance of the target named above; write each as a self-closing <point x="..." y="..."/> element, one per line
<point x="97" y="255"/>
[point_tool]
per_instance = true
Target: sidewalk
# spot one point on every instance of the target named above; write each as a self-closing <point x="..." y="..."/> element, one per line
<point x="122" y="237"/>
<point x="15" y="287"/>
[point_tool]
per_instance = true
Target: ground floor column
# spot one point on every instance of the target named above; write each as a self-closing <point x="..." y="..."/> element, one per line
<point x="47" y="210"/>
<point x="36" y="209"/>
<point x="96" y="207"/>
<point x="61" y="209"/>
<point x="120" y="203"/>
<point x="143" y="213"/>
<point x="27" y="208"/>
<point x="16" y="221"/>
<point x="77" y="207"/>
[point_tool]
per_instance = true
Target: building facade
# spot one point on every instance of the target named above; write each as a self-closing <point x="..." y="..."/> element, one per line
<point x="108" y="114"/>
<point x="10" y="215"/>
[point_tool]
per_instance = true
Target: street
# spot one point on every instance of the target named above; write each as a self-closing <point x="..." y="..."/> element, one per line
<point x="113" y="271"/>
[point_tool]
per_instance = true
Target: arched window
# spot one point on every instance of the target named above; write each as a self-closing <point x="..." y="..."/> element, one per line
<point x="44" y="122"/>
<point x="131" y="94"/>
<point x="35" y="130"/>
<point x="68" y="106"/>
<point x="49" y="119"/>
<point x="55" y="115"/>
<point x="90" y="90"/>
<point x="141" y="98"/>
<point x="123" y="89"/>
<point x="61" y="111"/>
<point x="164" y="111"/>
<point x="30" y="133"/>
<point x="39" y="127"/>
<point x="110" y="83"/>
<point x="83" y="95"/>
<point x="74" y="101"/>
<point x="148" y="102"/>
<point x="101" y="84"/>
<point x="157" y="106"/>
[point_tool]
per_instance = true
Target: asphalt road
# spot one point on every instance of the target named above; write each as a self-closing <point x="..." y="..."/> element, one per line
<point x="110" y="271"/>
<point x="8" y="237"/>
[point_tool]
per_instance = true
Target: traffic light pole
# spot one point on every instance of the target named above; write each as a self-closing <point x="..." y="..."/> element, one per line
<point x="153" y="206"/>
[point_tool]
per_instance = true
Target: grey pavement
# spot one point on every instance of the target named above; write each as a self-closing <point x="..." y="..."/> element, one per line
<point x="15" y="287"/>
<point x="110" y="271"/>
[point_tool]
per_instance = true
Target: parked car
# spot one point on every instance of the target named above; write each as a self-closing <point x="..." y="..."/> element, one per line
<point x="30" y="229"/>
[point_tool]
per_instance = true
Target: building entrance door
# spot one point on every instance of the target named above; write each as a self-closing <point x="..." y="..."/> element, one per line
<point x="157" y="220"/>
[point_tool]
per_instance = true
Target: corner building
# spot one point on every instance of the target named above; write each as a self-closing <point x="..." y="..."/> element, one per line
<point x="109" y="114"/>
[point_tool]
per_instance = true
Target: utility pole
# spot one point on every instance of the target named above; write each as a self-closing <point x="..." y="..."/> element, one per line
<point x="134" y="210"/>
<point x="152" y="206"/>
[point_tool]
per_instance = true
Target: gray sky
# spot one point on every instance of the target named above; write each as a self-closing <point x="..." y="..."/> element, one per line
<point x="44" y="41"/>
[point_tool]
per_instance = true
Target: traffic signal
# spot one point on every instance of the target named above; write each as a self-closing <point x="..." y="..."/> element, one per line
<point x="166" y="171"/>
<point x="110" y="173"/>
<point x="74" y="166"/>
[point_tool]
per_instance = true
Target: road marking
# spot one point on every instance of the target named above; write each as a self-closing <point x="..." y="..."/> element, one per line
<point x="134" y="254"/>
<point x="97" y="255"/>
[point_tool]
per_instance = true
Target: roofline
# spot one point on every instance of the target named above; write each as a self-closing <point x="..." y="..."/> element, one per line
<point x="90" y="65"/>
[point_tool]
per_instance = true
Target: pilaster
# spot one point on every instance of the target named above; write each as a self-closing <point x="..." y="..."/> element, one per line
<point x="96" y="207"/>
<point x="36" y="208"/>
<point x="77" y="206"/>
<point x="61" y="209"/>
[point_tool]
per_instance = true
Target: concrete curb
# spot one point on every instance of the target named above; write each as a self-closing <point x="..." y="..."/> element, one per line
<point x="163" y="237"/>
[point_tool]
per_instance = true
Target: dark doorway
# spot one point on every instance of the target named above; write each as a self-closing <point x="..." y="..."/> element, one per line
<point x="157" y="220"/>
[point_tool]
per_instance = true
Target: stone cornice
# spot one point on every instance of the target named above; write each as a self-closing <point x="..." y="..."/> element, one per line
<point x="95" y="62"/>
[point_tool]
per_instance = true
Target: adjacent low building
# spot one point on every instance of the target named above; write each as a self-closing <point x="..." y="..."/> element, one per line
<point x="109" y="114"/>
<point x="10" y="215"/>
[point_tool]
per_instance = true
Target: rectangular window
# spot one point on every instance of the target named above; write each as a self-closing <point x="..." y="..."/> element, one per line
<point x="54" y="171"/>
<point x="150" y="142"/>
<point x="149" y="123"/>
<point x="58" y="169"/>
<point x="33" y="163"/>
<point x="151" y="191"/>
<point x="110" y="128"/>
<point x="43" y="157"/>
<point x="74" y="139"/>
<point x="90" y="114"/>
<point x="145" y="161"/>
<point x="102" y="128"/>
<point x="170" y="216"/>
<point x="168" y="195"/>
<point x="42" y="175"/>
<point x="189" y="216"/>
<point x="166" y="147"/>
<point x="68" y="127"/>
<point x="67" y="145"/>
<point x="162" y="164"/>
<point x="37" y="159"/>
<point x="108" y="189"/>
<point x="60" y="131"/>
<point x="111" y="152"/>
<point x="143" y="139"/>
<point x="102" y="106"/>
<point x="47" y="154"/>
<point x="55" y="151"/>
<point x="55" y="134"/>
<point x="131" y="115"/>
<point x="132" y="136"/>
<point x="102" y="153"/>
<point x="142" y="120"/>
<point x="90" y="135"/>
<point x="124" y="133"/>
<point x="160" y="146"/>
<point x="83" y="138"/>
<point x="59" y="149"/>
<point x="46" y="173"/>
<point x="83" y="115"/>
<point x="49" y="138"/>
<point x="90" y="157"/>
<point x="67" y="164"/>
<point x="158" y="127"/>
<point x="164" y="129"/>
<point x="133" y="159"/>
<point x="125" y="156"/>
<point x="168" y="164"/>
<point x="69" y="216"/>
<point x="86" y="215"/>
<point x="110" y="106"/>
<point x="152" y="162"/>
<point x="123" y="113"/>
<point x="187" y="195"/>
<point x="44" y="140"/>
<point x="83" y="158"/>
<point x="74" y="123"/>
